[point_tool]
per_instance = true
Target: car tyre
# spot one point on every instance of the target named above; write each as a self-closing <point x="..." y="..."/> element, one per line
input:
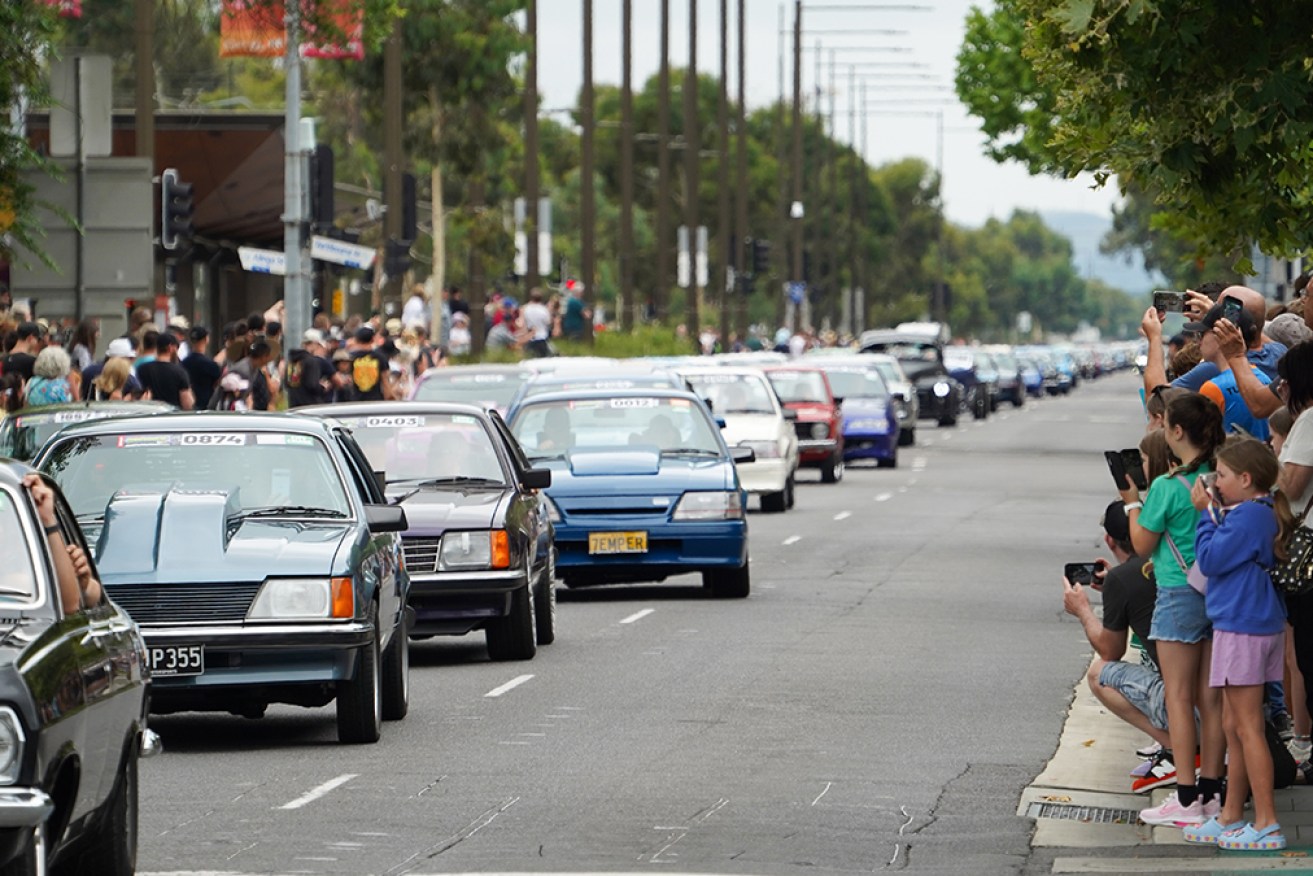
<point x="948" y="421"/>
<point x="774" y="503"/>
<point x="396" y="676"/>
<point x="980" y="407"/>
<point x="906" y="437"/>
<point x="511" y="637"/>
<point x="112" y="849"/>
<point x="728" y="583"/>
<point x="832" y="470"/>
<point x="891" y="462"/>
<point x="544" y="600"/>
<point x="31" y="860"/>
<point x="789" y="492"/>
<point x="360" y="700"/>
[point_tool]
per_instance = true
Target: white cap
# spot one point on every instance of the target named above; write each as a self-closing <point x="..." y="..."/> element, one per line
<point x="119" y="348"/>
<point x="179" y="322"/>
<point x="312" y="336"/>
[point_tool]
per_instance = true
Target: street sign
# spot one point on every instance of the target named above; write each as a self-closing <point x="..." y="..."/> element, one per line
<point x="796" y="291"/>
<point x="683" y="260"/>
<point x="262" y="261"/>
<point x="341" y="252"/>
<point x="700" y="261"/>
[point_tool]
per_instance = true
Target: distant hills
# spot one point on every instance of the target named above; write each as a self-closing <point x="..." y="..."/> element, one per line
<point x="1085" y="230"/>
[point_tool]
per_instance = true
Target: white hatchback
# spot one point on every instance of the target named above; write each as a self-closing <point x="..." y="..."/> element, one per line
<point x="753" y="417"/>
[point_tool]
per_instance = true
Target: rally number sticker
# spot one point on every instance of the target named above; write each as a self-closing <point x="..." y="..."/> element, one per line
<point x="214" y="439"/>
<point x="392" y="422"/>
<point x="634" y="402"/>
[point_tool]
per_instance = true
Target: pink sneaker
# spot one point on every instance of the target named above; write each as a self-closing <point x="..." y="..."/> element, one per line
<point x="1212" y="809"/>
<point x="1170" y="813"/>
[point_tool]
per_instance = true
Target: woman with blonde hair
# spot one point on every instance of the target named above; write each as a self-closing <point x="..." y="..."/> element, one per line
<point x="112" y="382"/>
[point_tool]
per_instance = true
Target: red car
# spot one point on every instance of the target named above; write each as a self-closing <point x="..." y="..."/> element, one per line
<point x="819" y="422"/>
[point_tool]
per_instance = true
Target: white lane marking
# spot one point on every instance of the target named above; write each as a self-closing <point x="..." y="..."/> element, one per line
<point x="884" y="497"/>
<point x="843" y="515"/>
<point x="826" y="790"/>
<point x="315" y="793"/>
<point x="638" y="616"/>
<point x="947" y="435"/>
<point x="793" y="539"/>
<point x="510" y="685"/>
<point x="902" y="489"/>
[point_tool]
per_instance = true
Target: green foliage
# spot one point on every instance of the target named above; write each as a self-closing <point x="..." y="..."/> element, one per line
<point x="644" y="340"/>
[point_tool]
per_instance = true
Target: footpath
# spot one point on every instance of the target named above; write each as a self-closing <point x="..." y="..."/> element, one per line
<point x="1082" y="801"/>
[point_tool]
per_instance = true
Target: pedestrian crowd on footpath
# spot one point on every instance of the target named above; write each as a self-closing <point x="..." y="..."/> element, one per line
<point x="1211" y="582"/>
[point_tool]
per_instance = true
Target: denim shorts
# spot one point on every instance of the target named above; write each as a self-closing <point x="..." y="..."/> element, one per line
<point x="1179" y="616"/>
<point x="1142" y="687"/>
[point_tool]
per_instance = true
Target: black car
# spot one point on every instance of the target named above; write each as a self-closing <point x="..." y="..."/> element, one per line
<point x="479" y="545"/>
<point x="941" y="396"/>
<point x="73" y="695"/>
<point x="258" y="554"/>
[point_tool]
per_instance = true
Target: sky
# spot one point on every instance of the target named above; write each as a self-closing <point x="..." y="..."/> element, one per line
<point x="975" y="187"/>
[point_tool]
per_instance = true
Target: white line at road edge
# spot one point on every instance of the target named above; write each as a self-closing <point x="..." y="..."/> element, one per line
<point x="315" y="793"/>
<point x="843" y="515"/>
<point x="638" y="616"/>
<point x="510" y="685"/>
<point x="793" y="539"/>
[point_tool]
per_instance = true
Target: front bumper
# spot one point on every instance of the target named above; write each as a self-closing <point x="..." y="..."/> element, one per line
<point x="870" y="445"/>
<point x="672" y="549"/>
<point x="24" y="807"/>
<point x="455" y="603"/>
<point x="764" y="475"/>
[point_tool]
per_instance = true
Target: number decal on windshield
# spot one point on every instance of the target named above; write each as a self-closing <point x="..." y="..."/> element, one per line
<point x="385" y="422"/>
<point x="634" y="402"/>
<point x="212" y="438"/>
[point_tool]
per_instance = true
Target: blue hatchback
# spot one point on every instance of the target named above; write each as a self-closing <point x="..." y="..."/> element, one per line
<point x="870" y="421"/>
<point x="643" y="487"/>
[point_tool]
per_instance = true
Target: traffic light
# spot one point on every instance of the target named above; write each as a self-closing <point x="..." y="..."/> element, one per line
<point x="175" y="209"/>
<point x="396" y="257"/>
<point x="760" y="257"/>
<point x="409" y="207"/>
<point x="321" y="186"/>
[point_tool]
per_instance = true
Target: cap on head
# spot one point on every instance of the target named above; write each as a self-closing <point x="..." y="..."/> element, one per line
<point x="1116" y="523"/>
<point x="312" y="336"/>
<point x="119" y="348"/>
<point x="1244" y="322"/>
<point x="180" y="322"/>
<point x="364" y="335"/>
<point x="1288" y="329"/>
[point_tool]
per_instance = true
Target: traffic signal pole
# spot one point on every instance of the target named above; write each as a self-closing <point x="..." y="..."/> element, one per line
<point x="296" y="285"/>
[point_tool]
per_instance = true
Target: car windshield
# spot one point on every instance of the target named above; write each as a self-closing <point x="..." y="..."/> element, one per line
<point x="958" y="358"/>
<point x="672" y="425"/>
<point x="260" y="471"/>
<point x="734" y="393"/>
<point x="428" y="447"/>
<point x="853" y="383"/>
<point x="542" y="387"/>
<point x="18" y="572"/>
<point x="23" y="434"/>
<point x="799" y="386"/>
<point x="487" y="390"/>
<point x="889" y="372"/>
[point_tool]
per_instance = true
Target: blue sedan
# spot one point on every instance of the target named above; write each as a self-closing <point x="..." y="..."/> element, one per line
<point x="870" y="420"/>
<point x="643" y="487"/>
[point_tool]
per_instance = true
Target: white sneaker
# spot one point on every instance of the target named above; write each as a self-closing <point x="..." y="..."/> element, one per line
<point x="1170" y="813"/>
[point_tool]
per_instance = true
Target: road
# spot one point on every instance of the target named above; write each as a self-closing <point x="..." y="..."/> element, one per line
<point x="901" y="670"/>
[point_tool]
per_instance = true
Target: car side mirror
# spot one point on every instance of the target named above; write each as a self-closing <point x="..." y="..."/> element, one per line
<point x="790" y="414"/>
<point x="536" y="478"/>
<point x="386" y="518"/>
<point x="838" y="400"/>
<point x="720" y="423"/>
<point x="743" y="454"/>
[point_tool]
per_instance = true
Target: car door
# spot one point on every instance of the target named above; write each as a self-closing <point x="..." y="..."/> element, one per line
<point x="381" y="564"/>
<point x="540" y="526"/>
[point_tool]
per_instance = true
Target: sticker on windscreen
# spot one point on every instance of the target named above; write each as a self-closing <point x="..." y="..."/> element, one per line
<point x="395" y="421"/>
<point x="196" y="439"/>
<point x="634" y="402"/>
<point x="284" y="440"/>
<point x="463" y="420"/>
<point x="709" y="379"/>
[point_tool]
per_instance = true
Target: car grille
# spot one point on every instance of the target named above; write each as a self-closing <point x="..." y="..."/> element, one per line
<point x="804" y="431"/>
<point x="421" y="554"/>
<point x="184" y="603"/>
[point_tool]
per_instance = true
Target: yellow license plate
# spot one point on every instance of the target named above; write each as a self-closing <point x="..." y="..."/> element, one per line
<point x="617" y="542"/>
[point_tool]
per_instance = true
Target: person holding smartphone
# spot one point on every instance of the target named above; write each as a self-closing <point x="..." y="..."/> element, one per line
<point x="1133" y="692"/>
<point x="1223" y="389"/>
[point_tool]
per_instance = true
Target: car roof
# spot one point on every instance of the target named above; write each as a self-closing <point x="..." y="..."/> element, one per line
<point x="179" y="421"/>
<point x="122" y="405"/>
<point x="637" y="392"/>
<point x="12" y="472"/>
<point x="458" y="370"/>
<point x="365" y="408"/>
<point x="781" y="368"/>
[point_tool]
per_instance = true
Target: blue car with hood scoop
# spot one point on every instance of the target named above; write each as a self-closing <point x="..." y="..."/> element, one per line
<point x="643" y="487"/>
<point x="257" y="554"/>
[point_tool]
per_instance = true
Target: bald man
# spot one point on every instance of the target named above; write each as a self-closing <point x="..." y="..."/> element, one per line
<point x="1262" y="354"/>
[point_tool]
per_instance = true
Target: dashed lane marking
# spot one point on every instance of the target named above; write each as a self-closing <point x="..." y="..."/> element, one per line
<point x="315" y="793"/>
<point x="510" y="685"/>
<point x="638" y="616"/>
<point x="793" y="539"/>
<point x="843" y="515"/>
<point x="884" y="497"/>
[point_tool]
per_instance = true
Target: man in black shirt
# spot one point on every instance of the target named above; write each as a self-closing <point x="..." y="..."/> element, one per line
<point x="203" y="371"/>
<point x="1131" y="691"/>
<point x="252" y="369"/>
<point x="166" y="380"/>
<point x="308" y="372"/>
<point x="23" y="356"/>
<point x="370" y="372"/>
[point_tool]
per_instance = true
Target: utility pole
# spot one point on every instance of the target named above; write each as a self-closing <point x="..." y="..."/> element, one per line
<point x="392" y="155"/>
<point x="854" y="228"/>
<point x="831" y="236"/>
<point x="691" y="146"/>
<point x="796" y="209"/>
<point x="782" y="159"/>
<point x="626" y="304"/>
<point x="588" y="207"/>
<point x="723" y="230"/>
<point x="531" y="277"/>
<point x="296" y="297"/>
<point x="661" y="288"/>
<point x="741" y="182"/>
<point x="145" y="96"/>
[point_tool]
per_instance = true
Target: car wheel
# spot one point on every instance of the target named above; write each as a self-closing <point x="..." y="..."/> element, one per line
<point x="396" y="676"/>
<point x="789" y="492"/>
<point x="360" y="700"/>
<point x="980" y="407"/>
<point x="832" y="471"/>
<point x="112" y="847"/>
<point x="891" y="462"/>
<point x="906" y="437"/>
<point x="511" y="637"/>
<point x="31" y="859"/>
<point x="544" y="614"/>
<point x="1019" y="398"/>
<point x="948" y="421"/>
<point x="774" y="503"/>
<point x="728" y="583"/>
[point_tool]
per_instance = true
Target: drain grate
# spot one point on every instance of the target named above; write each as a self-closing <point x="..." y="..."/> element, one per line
<point x="1083" y="814"/>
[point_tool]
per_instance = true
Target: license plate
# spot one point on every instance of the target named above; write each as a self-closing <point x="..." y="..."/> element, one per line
<point x="175" y="660"/>
<point x="617" y="542"/>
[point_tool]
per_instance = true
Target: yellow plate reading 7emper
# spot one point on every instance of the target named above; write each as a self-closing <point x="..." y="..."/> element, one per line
<point x="617" y="542"/>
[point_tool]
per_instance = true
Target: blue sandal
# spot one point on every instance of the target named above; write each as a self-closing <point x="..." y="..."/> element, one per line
<point x="1208" y="833"/>
<point x="1251" y="839"/>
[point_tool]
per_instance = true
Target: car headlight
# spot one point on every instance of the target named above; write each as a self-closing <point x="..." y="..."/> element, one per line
<point x="553" y="513"/>
<point x="820" y="430"/>
<point x="11" y="746"/>
<point x="941" y="389"/>
<point x="717" y="505"/>
<point x="474" y="550"/>
<point x="303" y="599"/>
<point x="763" y="449"/>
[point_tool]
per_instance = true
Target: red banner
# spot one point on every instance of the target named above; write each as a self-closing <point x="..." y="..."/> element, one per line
<point x="66" y="8"/>
<point x="255" y="28"/>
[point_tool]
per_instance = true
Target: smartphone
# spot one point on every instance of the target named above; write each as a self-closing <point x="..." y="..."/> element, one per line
<point x="1168" y="301"/>
<point x="1122" y="475"/>
<point x="1079" y="573"/>
<point x="1231" y="308"/>
<point x="1133" y="464"/>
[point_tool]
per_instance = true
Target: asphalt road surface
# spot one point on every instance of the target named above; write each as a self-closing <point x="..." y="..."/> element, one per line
<point x="901" y="670"/>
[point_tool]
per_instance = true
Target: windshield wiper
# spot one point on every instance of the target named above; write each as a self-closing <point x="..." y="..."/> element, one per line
<point x="91" y="517"/>
<point x="290" y="511"/>
<point x="454" y="479"/>
<point x="537" y="456"/>
<point x="689" y="451"/>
